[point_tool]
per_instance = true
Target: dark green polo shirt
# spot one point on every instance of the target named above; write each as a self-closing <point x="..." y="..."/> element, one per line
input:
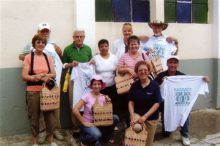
<point x="71" y="53"/>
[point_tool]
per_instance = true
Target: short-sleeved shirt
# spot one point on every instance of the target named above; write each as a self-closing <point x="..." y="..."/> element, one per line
<point x="72" y="53"/>
<point x="89" y="102"/>
<point x="130" y="62"/>
<point x="160" y="76"/>
<point x="145" y="98"/>
<point x="160" y="48"/>
<point x="106" y="68"/>
<point x="40" y="66"/>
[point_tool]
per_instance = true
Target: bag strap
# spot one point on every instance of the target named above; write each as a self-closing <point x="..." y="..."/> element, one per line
<point x="32" y="63"/>
<point x="151" y="75"/>
<point x="143" y="56"/>
<point x="48" y="65"/>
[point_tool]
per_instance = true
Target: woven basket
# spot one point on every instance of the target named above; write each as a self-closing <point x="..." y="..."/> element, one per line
<point x="135" y="139"/>
<point x="157" y="65"/>
<point x="103" y="115"/>
<point x="123" y="83"/>
<point x="50" y="99"/>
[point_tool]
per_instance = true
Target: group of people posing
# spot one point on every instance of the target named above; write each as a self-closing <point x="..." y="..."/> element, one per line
<point x="43" y="60"/>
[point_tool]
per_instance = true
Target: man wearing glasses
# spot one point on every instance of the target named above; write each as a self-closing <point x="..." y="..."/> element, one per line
<point x="75" y="53"/>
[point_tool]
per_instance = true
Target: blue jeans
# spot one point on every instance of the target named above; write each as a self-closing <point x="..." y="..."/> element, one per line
<point x="184" y="130"/>
<point x="91" y="136"/>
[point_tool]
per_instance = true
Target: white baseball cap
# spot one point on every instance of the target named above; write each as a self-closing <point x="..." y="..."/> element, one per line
<point x="173" y="57"/>
<point x="43" y="25"/>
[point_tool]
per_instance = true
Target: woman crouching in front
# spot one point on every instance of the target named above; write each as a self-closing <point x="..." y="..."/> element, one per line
<point x="144" y="100"/>
<point x="90" y="134"/>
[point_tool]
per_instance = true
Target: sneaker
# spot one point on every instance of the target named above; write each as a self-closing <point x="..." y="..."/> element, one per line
<point x="57" y="134"/>
<point x="34" y="145"/>
<point x="116" y="128"/>
<point x="69" y="139"/>
<point x="53" y="144"/>
<point x="42" y="137"/>
<point x="185" y="140"/>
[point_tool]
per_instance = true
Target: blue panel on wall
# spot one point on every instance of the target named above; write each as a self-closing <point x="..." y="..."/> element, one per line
<point x="121" y="10"/>
<point x="184" y="11"/>
<point x="141" y="11"/>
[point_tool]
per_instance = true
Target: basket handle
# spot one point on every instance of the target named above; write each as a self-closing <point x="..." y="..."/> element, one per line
<point x="121" y="75"/>
<point x="107" y="101"/>
<point x="44" y="83"/>
<point x="55" y="84"/>
<point x="136" y="116"/>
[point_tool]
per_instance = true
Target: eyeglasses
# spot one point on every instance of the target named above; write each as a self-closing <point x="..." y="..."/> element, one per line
<point x="79" y="37"/>
<point x="40" y="42"/>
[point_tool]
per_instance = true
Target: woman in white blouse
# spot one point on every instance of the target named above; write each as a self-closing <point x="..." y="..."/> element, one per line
<point x="105" y="65"/>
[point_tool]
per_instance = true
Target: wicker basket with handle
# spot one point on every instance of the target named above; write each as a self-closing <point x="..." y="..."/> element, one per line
<point x="123" y="82"/>
<point x="103" y="115"/>
<point x="157" y="65"/>
<point x="50" y="99"/>
<point x="135" y="139"/>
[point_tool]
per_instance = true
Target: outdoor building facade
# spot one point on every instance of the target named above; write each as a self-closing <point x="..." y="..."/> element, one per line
<point x="197" y="30"/>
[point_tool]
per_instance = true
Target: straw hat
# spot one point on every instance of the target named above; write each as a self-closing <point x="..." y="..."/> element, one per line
<point x="158" y="23"/>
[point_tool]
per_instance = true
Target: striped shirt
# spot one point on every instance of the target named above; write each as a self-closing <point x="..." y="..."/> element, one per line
<point x="128" y="61"/>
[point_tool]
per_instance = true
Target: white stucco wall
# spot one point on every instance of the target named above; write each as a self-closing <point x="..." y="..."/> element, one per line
<point x="195" y="40"/>
<point x="21" y="17"/>
<point x="19" y="20"/>
<point x="84" y="12"/>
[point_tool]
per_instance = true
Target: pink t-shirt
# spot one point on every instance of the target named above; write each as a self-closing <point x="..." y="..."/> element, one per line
<point x="130" y="62"/>
<point x="90" y="101"/>
<point x="40" y="66"/>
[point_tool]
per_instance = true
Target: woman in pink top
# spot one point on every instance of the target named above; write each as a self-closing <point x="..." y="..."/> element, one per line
<point x="128" y="60"/>
<point x="38" y="68"/>
<point x="90" y="134"/>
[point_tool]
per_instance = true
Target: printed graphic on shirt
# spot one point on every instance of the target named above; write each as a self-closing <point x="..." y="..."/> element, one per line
<point x="183" y="96"/>
<point x="158" y="50"/>
<point x="87" y="77"/>
<point x="148" y="93"/>
<point x="180" y="94"/>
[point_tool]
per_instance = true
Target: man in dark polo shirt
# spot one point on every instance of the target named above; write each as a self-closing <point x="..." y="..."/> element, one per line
<point x="173" y="63"/>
